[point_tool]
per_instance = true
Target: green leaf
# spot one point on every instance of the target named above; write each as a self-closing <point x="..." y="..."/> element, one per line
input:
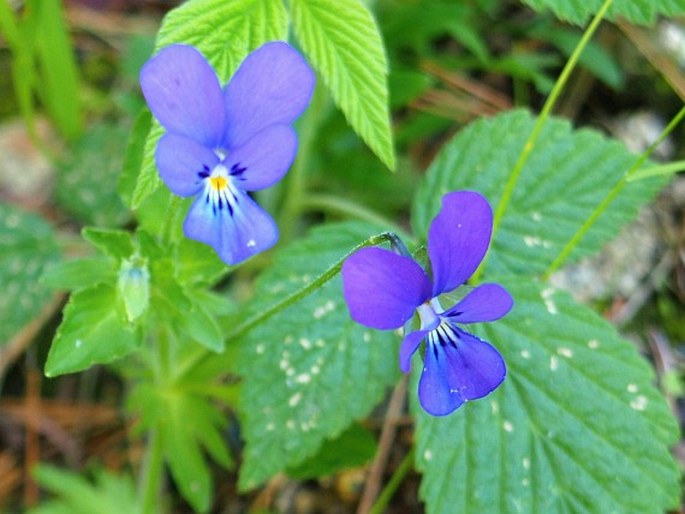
<point x="577" y="426"/>
<point x="133" y="287"/>
<point x="113" y="243"/>
<point x="27" y="249"/>
<point x="636" y="11"/>
<point x="199" y="324"/>
<point x="86" y="184"/>
<point x="109" y="494"/>
<point x="58" y="88"/>
<point x="80" y="274"/>
<point x="133" y="157"/>
<point x="310" y="370"/>
<point x="225" y="31"/>
<point x="353" y="448"/>
<point x="168" y="411"/>
<point x="343" y="42"/>
<point x="92" y="332"/>
<point x="568" y="173"/>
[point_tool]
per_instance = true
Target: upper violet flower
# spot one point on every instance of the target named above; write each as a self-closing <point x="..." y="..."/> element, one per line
<point x="221" y="143"/>
<point x="383" y="290"/>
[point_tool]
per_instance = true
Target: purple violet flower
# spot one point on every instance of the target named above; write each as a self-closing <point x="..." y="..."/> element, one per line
<point x="221" y="143"/>
<point x="383" y="290"/>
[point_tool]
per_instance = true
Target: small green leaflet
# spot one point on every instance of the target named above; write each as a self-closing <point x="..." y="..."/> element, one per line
<point x="636" y="11"/>
<point x="27" y="249"/>
<point x="342" y="40"/>
<point x="309" y="371"/>
<point x="92" y="332"/>
<point x="577" y="426"/>
<point x="225" y="31"/>
<point x="568" y="173"/>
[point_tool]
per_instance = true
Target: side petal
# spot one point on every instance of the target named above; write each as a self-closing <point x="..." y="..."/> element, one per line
<point x="382" y="289"/>
<point x="458" y="239"/>
<point x="273" y="85"/>
<point x="435" y="394"/>
<point x="264" y="159"/>
<point x="183" y="164"/>
<point x="236" y="233"/>
<point x="474" y="367"/>
<point x="184" y="94"/>
<point x="487" y="302"/>
<point x="409" y="346"/>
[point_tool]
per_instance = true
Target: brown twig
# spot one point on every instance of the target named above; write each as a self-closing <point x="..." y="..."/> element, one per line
<point x="375" y="477"/>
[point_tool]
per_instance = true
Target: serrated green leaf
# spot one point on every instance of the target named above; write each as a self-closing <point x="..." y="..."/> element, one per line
<point x="114" y="243"/>
<point x="310" y="370"/>
<point x="80" y="274"/>
<point x="636" y="11"/>
<point x="27" y="249"/>
<point x="577" y="426"/>
<point x="86" y="184"/>
<point x="92" y="332"/>
<point x="201" y="326"/>
<point x="197" y="263"/>
<point x="343" y="42"/>
<point x="568" y="173"/>
<point x="225" y="31"/>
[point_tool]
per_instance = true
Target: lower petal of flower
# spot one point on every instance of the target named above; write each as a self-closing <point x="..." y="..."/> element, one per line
<point x="228" y="220"/>
<point x="458" y="367"/>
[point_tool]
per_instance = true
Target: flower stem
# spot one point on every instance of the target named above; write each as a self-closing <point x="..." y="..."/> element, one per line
<point x="611" y="196"/>
<point x="296" y="184"/>
<point x="151" y="475"/>
<point x="312" y="286"/>
<point x="394" y="483"/>
<point x="542" y="118"/>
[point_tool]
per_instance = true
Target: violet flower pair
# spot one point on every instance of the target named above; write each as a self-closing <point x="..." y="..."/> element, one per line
<point x="221" y="143"/>
<point x="383" y="290"/>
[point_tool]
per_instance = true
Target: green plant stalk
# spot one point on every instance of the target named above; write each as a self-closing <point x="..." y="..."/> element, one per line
<point x="394" y="483"/>
<point x="656" y="171"/>
<point x="151" y="475"/>
<point x="289" y="300"/>
<point x="551" y="101"/>
<point x="296" y="183"/>
<point x="611" y="196"/>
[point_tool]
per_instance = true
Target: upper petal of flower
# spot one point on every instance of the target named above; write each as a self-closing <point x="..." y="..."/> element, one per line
<point x="487" y="302"/>
<point x="273" y="85"/>
<point x="382" y="289"/>
<point x="184" y="94"/>
<point x="410" y="344"/>
<point x="458" y="239"/>
<point x="183" y="163"/>
<point x="263" y="159"/>
<point x="236" y="227"/>
<point x="457" y="367"/>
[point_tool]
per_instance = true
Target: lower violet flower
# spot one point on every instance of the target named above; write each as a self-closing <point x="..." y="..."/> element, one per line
<point x="383" y="290"/>
<point x="221" y="143"/>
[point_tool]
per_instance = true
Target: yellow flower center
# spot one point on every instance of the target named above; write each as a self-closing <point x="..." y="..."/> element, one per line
<point x="218" y="183"/>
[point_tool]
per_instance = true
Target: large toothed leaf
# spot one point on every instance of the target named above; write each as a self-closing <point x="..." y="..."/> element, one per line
<point x="225" y="31"/>
<point x="27" y="249"/>
<point x="310" y="370"/>
<point x="567" y="175"/>
<point x="342" y="40"/>
<point x="637" y="11"/>
<point x="577" y="426"/>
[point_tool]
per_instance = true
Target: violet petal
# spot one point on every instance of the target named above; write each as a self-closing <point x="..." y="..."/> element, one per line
<point x="382" y="289"/>
<point x="458" y="239"/>
<point x="184" y="94"/>
<point x="487" y="302"/>
<point x="409" y="346"/>
<point x="435" y="394"/>
<point x="273" y="85"/>
<point x="183" y="164"/>
<point x="236" y="233"/>
<point x="264" y="159"/>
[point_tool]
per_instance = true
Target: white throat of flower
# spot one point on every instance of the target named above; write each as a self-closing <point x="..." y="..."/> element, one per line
<point x="220" y="191"/>
<point x="429" y="314"/>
